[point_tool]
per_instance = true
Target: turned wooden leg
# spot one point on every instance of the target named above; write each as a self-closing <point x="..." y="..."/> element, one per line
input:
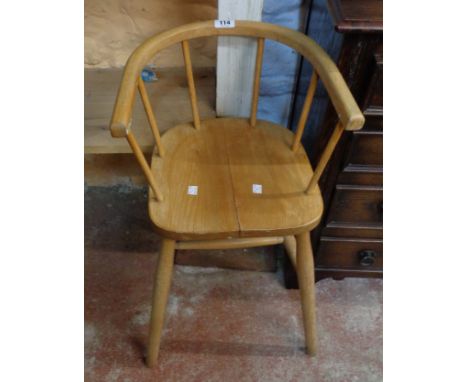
<point x="162" y="284"/>
<point x="291" y="248"/>
<point x="305" y="275"/>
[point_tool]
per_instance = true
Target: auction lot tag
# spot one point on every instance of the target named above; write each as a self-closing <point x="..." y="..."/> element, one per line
<point x="225" y="23"/>
<point x="257" y="188"/>
<point x="192" y="190"/>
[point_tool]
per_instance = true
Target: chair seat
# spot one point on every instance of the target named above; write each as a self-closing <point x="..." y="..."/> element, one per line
<point x="224" y="159"/>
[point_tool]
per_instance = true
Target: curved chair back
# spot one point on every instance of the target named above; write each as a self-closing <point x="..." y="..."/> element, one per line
<point x="349" y="114"/>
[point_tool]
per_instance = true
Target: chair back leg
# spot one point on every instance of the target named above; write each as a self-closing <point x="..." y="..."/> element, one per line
<point x="306" y="279"/>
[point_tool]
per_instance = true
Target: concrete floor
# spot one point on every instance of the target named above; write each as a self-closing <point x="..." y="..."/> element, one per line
<point x="222" y="325"/>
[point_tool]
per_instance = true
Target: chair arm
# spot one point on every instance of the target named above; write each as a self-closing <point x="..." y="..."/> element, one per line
<point x="121" y="120"/>
<point x="348" y="111"/>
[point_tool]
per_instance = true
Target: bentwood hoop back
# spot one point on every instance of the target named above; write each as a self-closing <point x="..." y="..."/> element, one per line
<point x="233" y="182"/>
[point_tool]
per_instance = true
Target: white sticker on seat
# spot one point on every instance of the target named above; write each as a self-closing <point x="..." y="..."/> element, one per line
<point x="257" y="188"/>
<point x="224" y="23"/>
<point x="192" y="190"/>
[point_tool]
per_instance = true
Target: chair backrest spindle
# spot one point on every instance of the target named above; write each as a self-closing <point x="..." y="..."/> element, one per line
<point x="334" y="84"/>
<point x="144" y="165"/>
<point x="256" y="84"/>
<point x="305" y="111"/>
<point x="326" y="155"/>
<point x="191" y="83"/>
<point x="150" y="115"/>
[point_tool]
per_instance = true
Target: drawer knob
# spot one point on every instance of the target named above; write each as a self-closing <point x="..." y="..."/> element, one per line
<point x="366" y="257"/>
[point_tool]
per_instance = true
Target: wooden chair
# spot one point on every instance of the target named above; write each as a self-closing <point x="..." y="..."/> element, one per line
<point x="233" y="182"/>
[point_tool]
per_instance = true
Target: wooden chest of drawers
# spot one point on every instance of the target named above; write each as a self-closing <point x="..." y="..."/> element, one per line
<point x="348" y="242"/>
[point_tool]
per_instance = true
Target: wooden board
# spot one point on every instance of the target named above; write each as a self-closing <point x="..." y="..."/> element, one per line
<point x="357" y="16"/>
<point x="194" y="158"/>
<point x="224" y="159"/>
<point x="260" y="259"/>
<point x="112" y="169"/>
<point x="263" y="155"/>
<point x="236" y="60"/>
<point x="169" y="98"/>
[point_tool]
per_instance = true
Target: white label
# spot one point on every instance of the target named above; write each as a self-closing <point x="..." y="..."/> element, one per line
<point x="192" y="190"/>
<point x="257" y="188"/>
<point x="224" y="23"/>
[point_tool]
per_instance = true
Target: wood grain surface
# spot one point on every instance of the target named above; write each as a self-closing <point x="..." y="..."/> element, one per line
<point x="224" y="159"/>
<point x="169" y="98"/>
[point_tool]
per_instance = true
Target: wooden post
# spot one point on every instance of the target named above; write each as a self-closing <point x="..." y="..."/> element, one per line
<point x="236" y="60"/>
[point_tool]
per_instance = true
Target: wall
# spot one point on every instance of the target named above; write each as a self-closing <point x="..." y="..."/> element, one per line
<point x="114" y="28"/>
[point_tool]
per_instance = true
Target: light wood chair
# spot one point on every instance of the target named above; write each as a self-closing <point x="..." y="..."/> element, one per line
<point x="233" y="182"/>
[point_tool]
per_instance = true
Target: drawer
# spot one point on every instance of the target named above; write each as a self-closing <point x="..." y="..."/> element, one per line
<point x="366" y="148"/>
<point x="363" y="160"/>
<point x="356" y="205"/>
<point x="350" y="253"/>
<point x="373" y="124"/>
<point x="373" y="100"/>
<point x="354" y="231"/>
<point x="361" y="176"/>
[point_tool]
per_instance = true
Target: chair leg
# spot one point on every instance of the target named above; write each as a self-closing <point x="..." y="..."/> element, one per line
<point x="162" y="284"/>
<point x="305" y="274"/>
<point x="291" y="249"/>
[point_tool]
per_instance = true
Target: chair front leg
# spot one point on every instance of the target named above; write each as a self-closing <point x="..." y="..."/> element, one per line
<point x="162" y="284"/>
<point x="306" y="279"/>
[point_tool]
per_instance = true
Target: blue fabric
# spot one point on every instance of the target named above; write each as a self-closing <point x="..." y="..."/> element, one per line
<point x="280" y="64"/>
